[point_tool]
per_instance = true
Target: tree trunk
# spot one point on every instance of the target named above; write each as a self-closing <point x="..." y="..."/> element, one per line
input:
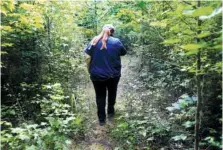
<point x="199" y="100"/>
<point x="49" y="42"/>
<point x="95" y="19"/>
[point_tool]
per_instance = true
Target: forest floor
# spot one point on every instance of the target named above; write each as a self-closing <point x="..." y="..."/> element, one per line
<point x="97" y="137"/>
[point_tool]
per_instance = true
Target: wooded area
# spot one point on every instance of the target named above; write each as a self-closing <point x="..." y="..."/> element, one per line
<point x="170" y="96"/>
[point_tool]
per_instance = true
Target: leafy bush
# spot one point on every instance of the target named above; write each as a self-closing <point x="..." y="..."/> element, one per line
<point x="181" y="116"/>
<point x="58" y="125"/>
<point x="139" y="131"/>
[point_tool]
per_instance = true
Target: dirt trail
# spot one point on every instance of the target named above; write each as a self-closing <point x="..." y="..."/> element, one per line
<point x="97" y="137"/>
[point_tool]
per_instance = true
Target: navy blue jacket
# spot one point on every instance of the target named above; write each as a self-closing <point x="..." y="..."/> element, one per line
<point x="106" y="63"/>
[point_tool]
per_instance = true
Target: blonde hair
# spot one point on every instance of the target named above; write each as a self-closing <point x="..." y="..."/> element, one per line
<point x="104" y="36"/>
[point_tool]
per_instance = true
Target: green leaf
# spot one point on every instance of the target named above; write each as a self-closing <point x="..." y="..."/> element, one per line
<point x="68" y="142"/>
<point x="150" y="138"/>
<point x="123" y="125"/>
<point x="3" y="10"/>
<point x="202" y="11"/>
<point x="142" y="132"/>
<point x="191" y="52"/>
<point x="203" y="34"/>
<point x="12" y="112"/>
<point x="38" y="25"/>
<point x="192" y="70"/>
<point x="218" y="47"/>
<point x="68" y="119"/>
<point x="11" y="5"/>
<point x="34" y="126"/>
<point x="17" y="130"/>
<point x="180" y="9"/>
<point x="6" y="28"/>
<point x="188" y="32"/>
<point x="78" y="121"/>
<point x="179" y="137"/>
<point x="171" y="41"/>
<point x="26" y="6"/>
<point x="192" y="46"/>
<point x="23" y="137"/>
<point x="6" y="123"/>
<point x="170" y="108"/>
<point x="32" y="147"/>
<point x="175" y="28"/>
<point x="6" y="45"/>
<point x="158" y="24"/>
<point x="188" y="124"/>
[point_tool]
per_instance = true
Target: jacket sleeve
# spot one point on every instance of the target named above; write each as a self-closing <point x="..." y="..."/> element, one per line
<point x="89" y="49"/>
<point x="123" y="50"/>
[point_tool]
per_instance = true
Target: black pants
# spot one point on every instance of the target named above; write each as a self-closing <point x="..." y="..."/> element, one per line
<point x="101" y="88"/>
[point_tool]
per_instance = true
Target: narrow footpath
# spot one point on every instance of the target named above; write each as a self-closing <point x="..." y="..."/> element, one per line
<point x="97" y="137"/>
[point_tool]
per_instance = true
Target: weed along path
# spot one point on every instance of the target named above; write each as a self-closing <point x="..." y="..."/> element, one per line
<point x="98" y="137"/>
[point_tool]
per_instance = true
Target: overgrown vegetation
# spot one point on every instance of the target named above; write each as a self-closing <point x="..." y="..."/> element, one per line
<point x="178" y="46"/>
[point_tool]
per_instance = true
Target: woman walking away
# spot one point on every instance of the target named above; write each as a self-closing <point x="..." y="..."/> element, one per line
<point x="104" y="65"/>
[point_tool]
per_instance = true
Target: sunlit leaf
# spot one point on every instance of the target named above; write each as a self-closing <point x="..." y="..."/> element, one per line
<point x="171" y="41"/>
<point x="6" y="28"/>
<point x="24" y="20"/>
<point x="23" y="137"/>
<point x="175" y="28"/>
<point x="188" y="32"/>
<point x="192" y="52"/>
<point x="78" y="121"/>
<point x="38" y="25"/>
<point x="123" y="125"/>
<point x="214" y="13"/>
<point x="6" y="45"/>
<point x="218" y="47"/>
<point x="68" y="142"/>
<point x="158" y="24"/>
<point x="179" y="137"/>
<point x="26" y="6"/>
<point x="179" y="9"/>
<point x="192" y="46"/>
<point x="188" y="124"/>
<point x="40" y="1"/>
<point x="32" y="147"/>
<point x="11" y="5"/>
<point x="3" y="10"/>
<point x="6" y="123"/>
<point x="170" y="108"/>
<point x="38" y="19"/>
<point x="204" y="34"/>
<point x="202" y="11"/>
<point x="32" y="126"/>
<point x="192" y="70"/>
<point x="150" y="138"/>
<point x="142" y="132"/>
<point x="17" y="130"/>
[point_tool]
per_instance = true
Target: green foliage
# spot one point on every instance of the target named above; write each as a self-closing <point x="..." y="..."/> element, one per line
<point x="140" y="131"/>
<point x="182" y="117"/>
<point x="211" y="141"/>
<point x="179" y="137"/>
<point x="202" y="11"/>
<point x="58" y="125"/>
<point x="35" y="136"/>
<point x="44" y="79"/>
